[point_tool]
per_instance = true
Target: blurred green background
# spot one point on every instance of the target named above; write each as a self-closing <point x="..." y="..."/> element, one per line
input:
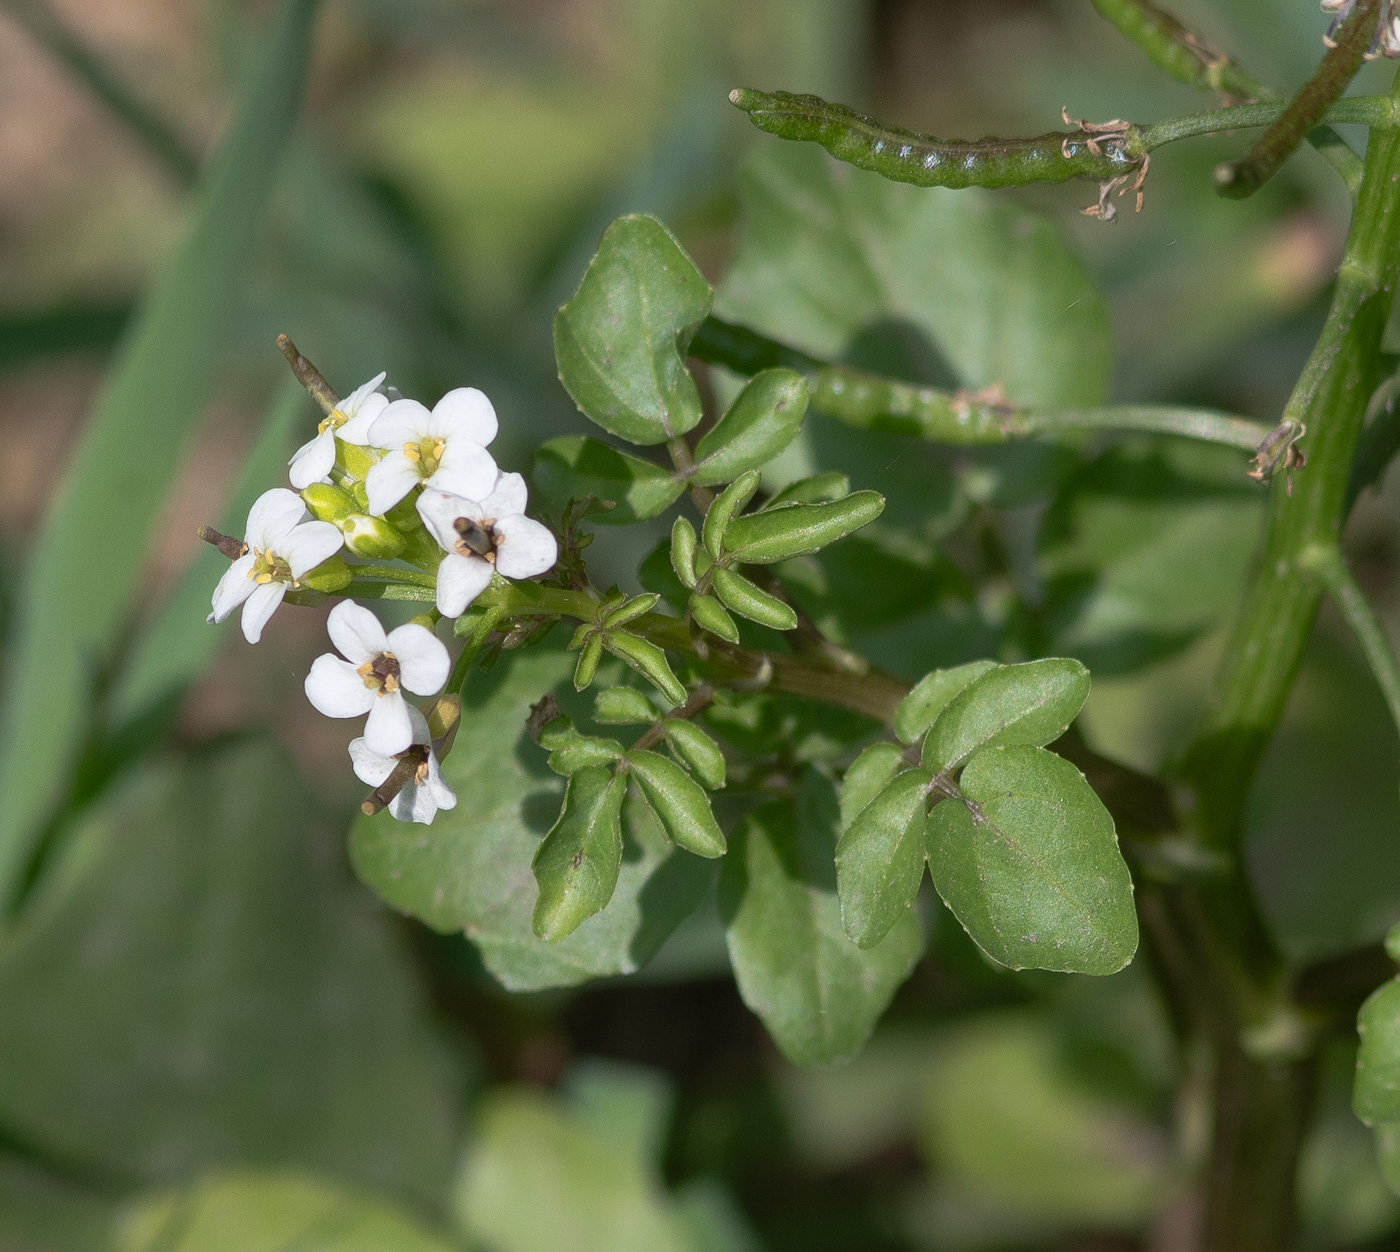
<point x="324" y="1074"/>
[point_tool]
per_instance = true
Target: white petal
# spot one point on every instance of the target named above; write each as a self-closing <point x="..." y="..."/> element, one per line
<point x="460" y="579"/>
<point x="351" y="404"/>
<point x="440" y="511"/>
<point x="387" y="729"/>
<point x="272" y="517"/>
<point x="466" y="469"/>
<point x="401" y="422"/>
<point x="259" y="608"/>
<point x="421" y="733"/>
<point x="356" y="632"/>
<point x="510" y="495"/>
<point x="414" y="804"/>
<point x="308" y="545"/>
<point x="335" y="689"/>
<point x="370" y="767"/>
<point x="357" y="429"/>
<point x="313" y="460"/>
<point x="389" y="481"/>
<point x="524" y="548"/>
<point x="464" y="412"/>
<point x="444" y="795"/>
<point x="234" y="587"/>
<point x="423" y="660"/>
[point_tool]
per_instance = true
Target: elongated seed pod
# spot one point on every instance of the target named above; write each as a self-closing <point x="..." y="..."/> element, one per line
<point x="875" y="403"/>
<point x="906" y="157"/>
<point x="1184" y="55"/>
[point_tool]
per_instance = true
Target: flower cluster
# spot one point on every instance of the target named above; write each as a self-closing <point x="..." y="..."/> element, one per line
<point x="370" y="455"/>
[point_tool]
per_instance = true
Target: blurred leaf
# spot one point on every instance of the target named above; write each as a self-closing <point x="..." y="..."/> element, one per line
<point x="196" y="984"/>
<point x="1003" y="1118"/>
<point x="827" y="250"/>
<point x="620" y="341"/>
<point x="818" y="994"/>
<point x="1376" y="1097"/>
<point x="111" y="496"/>
<point x="248" y="1212"/>
<point x="40" y="1213"/>
<point x="471" y="872"/>
<point x="628" y="1105"/>
<point x="577" y="865"/>
<point x="573" y="467"/>
<point x="57" y="331"/>
<point x="1035" y="876"/>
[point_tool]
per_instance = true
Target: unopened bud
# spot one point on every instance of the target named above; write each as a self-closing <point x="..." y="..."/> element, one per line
<point x="355" y="460"/>
<point x="328" y="503"/>
<point x="330" y="576"/>
<point x="371" y="537"/>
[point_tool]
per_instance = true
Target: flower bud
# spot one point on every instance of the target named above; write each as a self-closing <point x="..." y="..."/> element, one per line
<point x="330" y="576"/>
<point x="371" y="537"/>
<point x="328" y="503"/>
<point x="355" y="460"/>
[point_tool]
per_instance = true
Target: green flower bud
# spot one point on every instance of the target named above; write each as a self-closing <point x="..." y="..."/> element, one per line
<point x="328" y="503"/>
<point x="354" y="460"/>
<point x="330" y="576"/>
<point x="747" y="600"/>
<point x="709" y="614"/>
<point x="371" y="537"/>
<point x="796" y="529"/>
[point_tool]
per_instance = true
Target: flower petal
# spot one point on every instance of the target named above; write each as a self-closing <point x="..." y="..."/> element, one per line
<point x="421" y="734"/>
<point x="356" y="632"/>
<point x="259" y="608"/>
<point x="400" y="422"/>
<point x="444" y="795"/>
<point x="308" y="545"/>
<point x="440" y="511"/>
<point x="460" y="580"/>
<point x="524" y="548"/>
<point x="272" y="517"/>
<point x="313" y="460"/>
<point x="464" y="413"/>
<point x="352" y="403"/>
<point x="466" y="469"/>
<point x="423" y="660"/>
<point x="510" y="495"/>
<point x="387" y="729"/>
<point x="370" y="767"/>
<point x="414" y="804"/>
<point x="336" y="689"/>
<point x="234" y="587"/>
<point x="389" y="481"/>
<point x="357" y="429"/>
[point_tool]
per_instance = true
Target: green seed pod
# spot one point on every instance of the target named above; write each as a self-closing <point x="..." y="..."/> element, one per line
<point x="726" y="504"/>
<point x="797" y="529"/>
<point x="587" y="667"/>
<point x="623" y="706"/>
<point x="709" y="614"/>
<point x="330" y="576"/>
<point x="747" y="600"/>
<point x="696" y="751"/>
<point x="577" y="865"/>
<point x="648" y="660"/>
<point x="680" y="802"/>
<point x="631" y="609"/>
<point x="371" y="537"/>
<point x="764" y="418"/>
<point x="815" y="490"/>
<point x="683" y="552"/>
<point x="328" y="503"/>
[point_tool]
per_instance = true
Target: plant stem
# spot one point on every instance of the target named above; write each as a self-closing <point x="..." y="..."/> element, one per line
<point x="1378" y="112"/>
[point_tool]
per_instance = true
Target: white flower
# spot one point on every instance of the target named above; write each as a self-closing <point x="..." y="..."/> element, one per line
<point x="479" y="538"/>
<point x="445" y="448"/>
<point x="350" y="421"/>
<point x="424" y="793"/>
<point x="280" y="546"/>
<point x="376" y="667"/>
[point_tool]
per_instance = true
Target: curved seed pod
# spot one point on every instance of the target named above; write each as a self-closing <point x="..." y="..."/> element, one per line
<point x="906" y="157"/>
<point x="726" y="504"/>
<point x="709" y="614"/>
<point x="577" y="865"/>
<point x="683" y="552"/>
<point x="764" y="418"/>
<point x="870" y="402"/>
<point x="696" y="751"/>
<point x="1172" y="47"/>
<point x="680" y="802"/>
<point x="796" y="529"/>
<point x="648" y="660"/>
<point x="587" y="667"/>
<point x="631" y="610"/>
<point x="623" y="706"/>
<point x="747" y="600"/>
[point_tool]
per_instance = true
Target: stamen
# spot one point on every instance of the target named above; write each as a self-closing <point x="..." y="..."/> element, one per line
<point x="477" y="538"/>
<point x="381" y="674"/>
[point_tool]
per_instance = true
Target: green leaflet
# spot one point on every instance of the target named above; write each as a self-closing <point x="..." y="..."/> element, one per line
<point x="620" y="341"/>
<point x="682" y="552"/>
<point x="765" y="417"/>
<point x="1013" y="705"/>
<point x="578" y="863"/>
<point x="868" y="775"/>
<point x="709" y="614"/>
<point x="729" y="502"/>
<point x="623" y="706"/>
<point x="574" y="467"/>
<point x="648" y="660"/>
<point x="200" y="913"/>
<point x="818" y="994"/>
<point x="1376" y="1095"/>
<point x="745" y="598"/>
<point x="472" y="872"/>
<point x="679" y="802"/>
<point x="796" y="529"/>
<point x="880" y="858"/>
<point x="1033" y="872"/>
<point x="931" y="695"/>
<point x="569" y="751"/>
<point x="696" y="751"/>
<point x="72" y="608"/>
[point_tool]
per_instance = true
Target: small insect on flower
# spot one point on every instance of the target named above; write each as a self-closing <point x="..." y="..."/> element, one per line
<point x="349" y="421"/>
<point x="445" y="448"/>
<point x="376" y="669"/>
<point x="280" y="546"/>
<point x="425" y="791"/>
<point x="479" y="538"/>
